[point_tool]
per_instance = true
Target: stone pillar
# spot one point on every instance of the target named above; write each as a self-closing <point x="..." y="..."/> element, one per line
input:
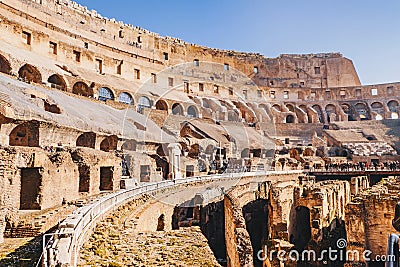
<point x="174" y="160"/>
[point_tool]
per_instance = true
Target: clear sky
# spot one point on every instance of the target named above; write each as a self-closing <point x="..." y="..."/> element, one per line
<point x="366" y="31"/>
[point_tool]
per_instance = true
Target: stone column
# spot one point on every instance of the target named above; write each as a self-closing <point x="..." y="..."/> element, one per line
<point x="174" y="160"/>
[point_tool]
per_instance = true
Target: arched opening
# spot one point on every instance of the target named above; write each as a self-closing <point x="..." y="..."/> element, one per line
<point x="162" y="105"/>
<point x="394" y="115"/>
<point x="25" y="134"/>
<point x="289" y="119"/>
<point x="348" y="111"/>
<point x="30" y="73"/>
<point x="393" y="106"/>
<point x="56" y="81"/>
<point x="177" y="109"/>
<point x="290" y="107"/>
<point x="378" y="117"/>
<point x="125" y="98"/>
<point x="86" y="140"/>
<point x="109" y="143"/>
<point x="362" y="111"/>
<point x="318" y="109"/>
<point x="81" y="88"/>
<point x="194" y="151"/>
<point x="105" y="94"/>
<point x="5" y="66"/>
<point x="144" y="102"/>
<point x="277" y="107"/>
<point x="330" y="111"/>
<point x="130" y="145"/>
<point x="192" y="112"/>
<point x="301" y="228"/>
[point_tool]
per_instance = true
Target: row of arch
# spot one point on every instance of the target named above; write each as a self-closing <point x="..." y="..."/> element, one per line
<point x="361" y="110"/>
<point x="30" y="73"/>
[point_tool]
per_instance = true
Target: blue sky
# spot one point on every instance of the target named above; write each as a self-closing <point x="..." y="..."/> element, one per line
<point x="368" y="32"/>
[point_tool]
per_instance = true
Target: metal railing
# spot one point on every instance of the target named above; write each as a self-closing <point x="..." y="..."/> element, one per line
<point x="62" y="247"/>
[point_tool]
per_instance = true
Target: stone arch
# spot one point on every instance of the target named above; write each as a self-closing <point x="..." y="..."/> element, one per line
<point x="25" y="134"/>
<point x="318" y="109"/>
<point x="81" y="88"/>
<point x="362" y="111"/>
<point x="109" y="143"/>
<point x="58" y="82"/>
<point x="289" y="119"/>
<point x="30" y="73"/>
<point x="192" y="112"/>
<point x="125" y="98"/>
<point x="349" y="111"/>
<point x="330" y="110"/>
<point x="393" y="105"/>
<point x="277" y="107"/>
<point x="161" y="105"/>
<point x="377" y="107"/>
<point x="144" y="102"/>
<point x="130" y="145"/>
<point x="86" y="140"/>
<point x="290" y="107"/>
<point x="177" y="109"/>
<point x="105" y="94"/>
<point x="5" y="66"/>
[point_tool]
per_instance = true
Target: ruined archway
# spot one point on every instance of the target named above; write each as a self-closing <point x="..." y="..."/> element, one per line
<point x="57" y="81"/>
<point x="330" y="112"/>
<point x="130" y="145"/>
<point x="393" y="105"/>
<point x="192" y="112"/>
<point x="318" y="109"/>
<point x="109" y="143"/>
<point x="144" y="102"/>
<point x="25" y="134"/>
<point x="290" y="107"/>
<point x="86" y="140"/>
<point x="289" y="119"/>
<point x="161" y="105"/>
<point x="30" y="73"/>
<point x="177" y="109"/>
<point x="105" y="94"/>
<point x="126" y="98"/>
<point x="81" y="88"/>
<point x="362" y="111"/>
<point x="5" y="66"/>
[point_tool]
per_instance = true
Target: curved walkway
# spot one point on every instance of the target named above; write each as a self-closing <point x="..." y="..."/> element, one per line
<point x="62" y="247"/>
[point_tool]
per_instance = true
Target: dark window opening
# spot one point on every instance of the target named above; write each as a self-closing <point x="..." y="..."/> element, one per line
<point x="84" y="178"/>
<point x="119" y="68"/>
<point x="317" y="70"/>
<point x="166" y="57"/>
<point x="196" y="62"/>
<point x="201" y="87"/>
<point x="25" y="134"/>
<point x="216" y="89"/>
<point x="226" y="66"/>
<point x="170" y="81"/>
<point x="186" y="87"/>
<point x="106" y="178"/>
<point x="86" y="140"/>
<point x="154" y="78"/>
<point x="255" y="70"/>
<point x="77" y="55"/>
<point x="30" y="194"/>
<point x="230" y="91"/>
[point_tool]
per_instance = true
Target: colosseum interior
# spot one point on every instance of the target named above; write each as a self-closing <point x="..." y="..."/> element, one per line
<point x="91" y="106"/>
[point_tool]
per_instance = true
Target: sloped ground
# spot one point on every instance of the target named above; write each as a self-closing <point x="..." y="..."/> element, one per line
<point x="185" y="247"/>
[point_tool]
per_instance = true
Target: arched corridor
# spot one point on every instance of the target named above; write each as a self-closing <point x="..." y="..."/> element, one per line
<point x="30" y="73"/>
